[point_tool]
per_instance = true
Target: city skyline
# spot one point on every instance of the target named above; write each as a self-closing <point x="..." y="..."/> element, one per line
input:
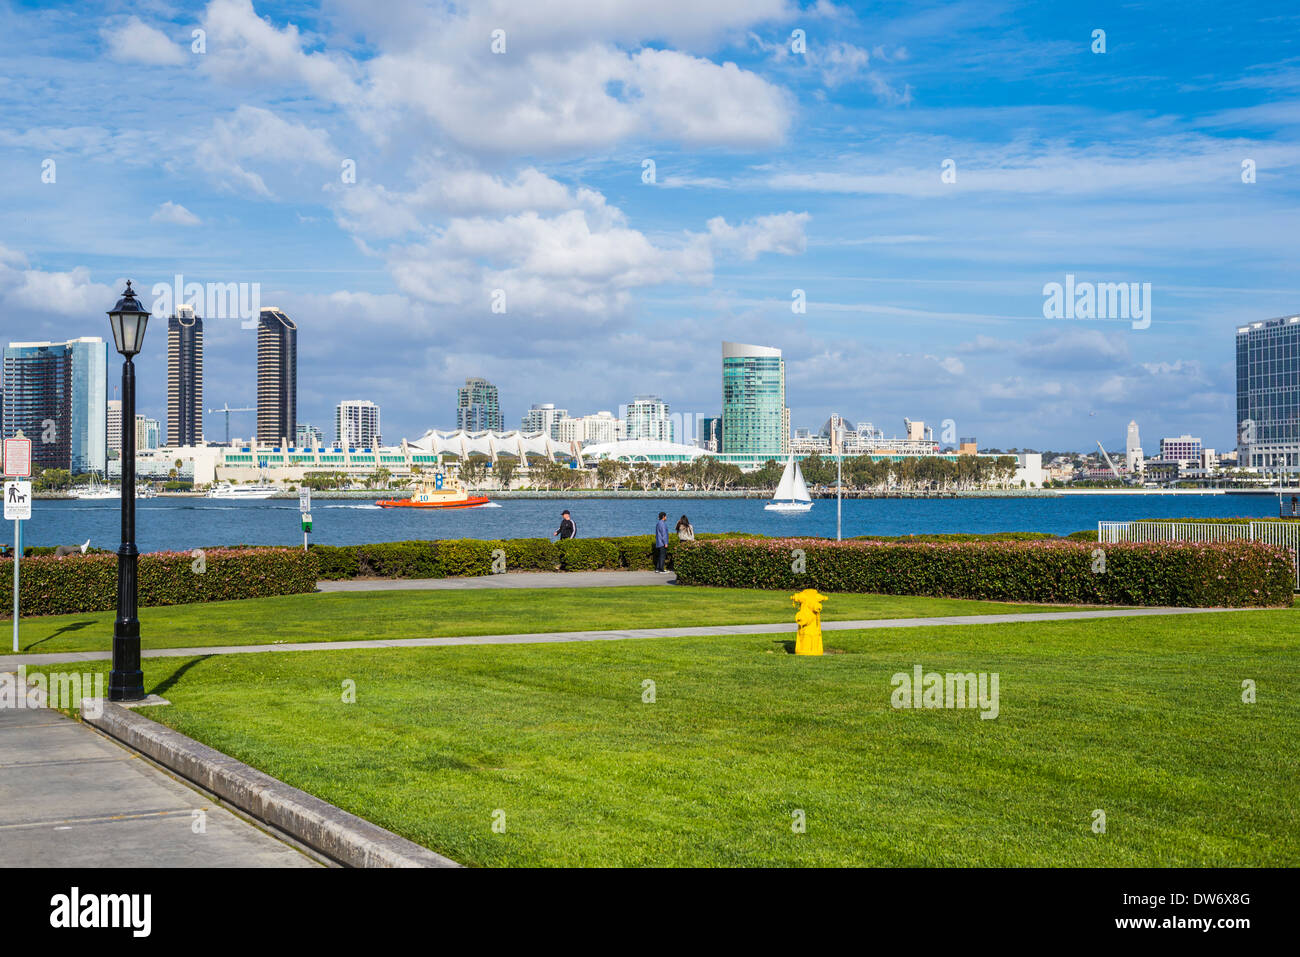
<point x="911" y="180"/>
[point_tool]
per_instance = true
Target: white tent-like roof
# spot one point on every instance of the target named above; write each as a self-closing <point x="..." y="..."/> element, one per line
<point x="642" y="450"/>
<point x="515" y="444"/>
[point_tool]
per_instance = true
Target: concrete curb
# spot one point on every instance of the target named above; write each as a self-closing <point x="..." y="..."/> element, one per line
<point x="331" y="831"/>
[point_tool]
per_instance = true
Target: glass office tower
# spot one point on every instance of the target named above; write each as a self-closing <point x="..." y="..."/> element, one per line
<point x="1268" y="394"/>
<point x="755" y="420"/>
<point x="55" y="393"/>
<point x="478" y="407"/>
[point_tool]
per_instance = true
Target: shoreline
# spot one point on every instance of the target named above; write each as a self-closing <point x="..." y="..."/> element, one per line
<point x="634" y="494"/>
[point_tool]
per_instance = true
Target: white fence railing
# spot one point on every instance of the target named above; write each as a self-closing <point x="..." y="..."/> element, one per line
<point x="1286" y="534"/>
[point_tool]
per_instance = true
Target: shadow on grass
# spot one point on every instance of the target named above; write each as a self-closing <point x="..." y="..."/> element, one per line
<point x="71" y="626"/>
<point x="161" y="688"/>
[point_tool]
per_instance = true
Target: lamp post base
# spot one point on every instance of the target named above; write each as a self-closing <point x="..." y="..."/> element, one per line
<point x="126" y="685"/>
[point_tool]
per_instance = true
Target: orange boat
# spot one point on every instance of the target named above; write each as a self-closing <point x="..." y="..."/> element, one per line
<point x="439" y="491"/>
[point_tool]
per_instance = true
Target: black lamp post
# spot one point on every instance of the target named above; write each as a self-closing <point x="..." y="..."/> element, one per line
<point x="126" y="681"/>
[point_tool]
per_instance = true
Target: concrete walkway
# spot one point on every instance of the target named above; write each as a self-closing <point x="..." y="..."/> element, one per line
<point x="11" y="662"/>
<point x="70" y="797"/>
<point x="604" y="579"/>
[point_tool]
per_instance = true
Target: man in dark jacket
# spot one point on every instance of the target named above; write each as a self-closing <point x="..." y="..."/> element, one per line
<point x="661" y="543"/>
<point x="567" y="529"/>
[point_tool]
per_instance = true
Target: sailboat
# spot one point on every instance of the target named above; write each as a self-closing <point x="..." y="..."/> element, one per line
<point x="95" y="490"/>
<point x="792" y="492"/>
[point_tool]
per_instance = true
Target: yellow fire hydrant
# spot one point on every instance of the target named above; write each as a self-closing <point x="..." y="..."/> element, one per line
<point x="808" y="640"/>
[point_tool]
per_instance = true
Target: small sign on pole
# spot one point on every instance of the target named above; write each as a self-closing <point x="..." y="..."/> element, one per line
<point x="18" y="508"/>
<point x="18" y="457"/>
<point x="18" y="501"/>
<point x="304" y="506"/>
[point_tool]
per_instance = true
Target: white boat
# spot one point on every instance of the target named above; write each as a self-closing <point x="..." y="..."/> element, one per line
<point x="226" y="490"/>
<point x="792" y="492"/>
<point x="95" y="490"/>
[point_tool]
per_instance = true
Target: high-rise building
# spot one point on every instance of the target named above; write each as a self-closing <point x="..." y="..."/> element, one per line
<point x="478" y="408"/>
<point x="543" y="418"/>
<point x="146" y="433"/>
<point x="755" y="420"/>
<point x="1268" y="394"/>
<point x="185" y="378"/>
<point x="1183" y="448"/>
<point x="55" y="394"/>
<point x="711" y="433"/>
<point x="1133" y="457"/>
<point x="356" y="424"/>
<point x="114" y="428"/>
<point x="590" y="429"/>
<point x="308" y="437"/>
<point x="277" y="377"/>
<point x="648" y="418"/>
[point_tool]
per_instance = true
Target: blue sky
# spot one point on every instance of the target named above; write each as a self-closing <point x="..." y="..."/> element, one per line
<point x="775" y="170"/>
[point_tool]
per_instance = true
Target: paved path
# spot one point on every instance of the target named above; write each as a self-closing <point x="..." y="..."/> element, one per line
<point x="70" y="797"/>
<point x="608" y="579"/>
<point x="11" y="662"/>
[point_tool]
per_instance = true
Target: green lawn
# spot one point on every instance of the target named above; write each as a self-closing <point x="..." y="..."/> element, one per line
<point x="1141" y="718"/>
<point x="358" y="616"/>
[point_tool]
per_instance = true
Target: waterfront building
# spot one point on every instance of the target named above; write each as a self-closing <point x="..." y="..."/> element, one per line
<point x="541" y="418"/>
<point x="1183" y="448"/>
<point x="968" y="446"/>
<point x="648" y="418"/>
<point x="478" y="407"/>
<point x="113" y="422"/>
<point x="589" y="429"/>
<point x="146" y="433"/>
<point x="277" y="377"/>
<point x="865" y="439"/>
<point x="308" y="436"/>
<point x="631" y="451"/>
<point x="55" y="393"/>
<point x="185" y="377"/>
<point x="356" y="423"/>
<point x="1268" y="394"/>
<point x="754" y="414"/>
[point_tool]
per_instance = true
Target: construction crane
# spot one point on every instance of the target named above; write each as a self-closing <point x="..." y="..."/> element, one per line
<point x="227" y="410"/>
<point x="1106" y="455"/>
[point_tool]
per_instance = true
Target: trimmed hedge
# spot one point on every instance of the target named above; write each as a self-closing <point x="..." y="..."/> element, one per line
<point x="529" y="554"/>
<point x="1189" y="574"/>
<point x="83" y="583"/>
<point x="960" y="537"/>
<point x="586" y="554"/>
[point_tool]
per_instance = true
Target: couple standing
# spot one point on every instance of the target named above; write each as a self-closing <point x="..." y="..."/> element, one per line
<point x="684" y="531"/>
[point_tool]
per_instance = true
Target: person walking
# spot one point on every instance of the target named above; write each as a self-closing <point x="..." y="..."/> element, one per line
<point x="684" y="531"/>
<point x="661" y="543"/>
<point x="567" y="529"/>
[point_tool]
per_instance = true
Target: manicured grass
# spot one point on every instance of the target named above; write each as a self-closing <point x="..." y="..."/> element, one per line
<point x="1141" y="718"/>
<point x="359" y="616"/>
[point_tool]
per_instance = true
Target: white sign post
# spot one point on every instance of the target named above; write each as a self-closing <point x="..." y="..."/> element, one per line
<point x="18" y="502"/>
<point x="304" y="507"/>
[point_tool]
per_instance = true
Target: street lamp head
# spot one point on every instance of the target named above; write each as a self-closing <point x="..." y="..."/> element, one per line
<point x="128" y="319"/>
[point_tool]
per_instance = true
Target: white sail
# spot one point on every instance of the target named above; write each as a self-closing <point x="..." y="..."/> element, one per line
<point x="799" y="492"/>
<point x="785" y="488"/>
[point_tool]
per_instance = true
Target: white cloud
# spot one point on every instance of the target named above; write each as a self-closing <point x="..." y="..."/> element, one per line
<point x="243" y="48"/>
<point x="781" y="233"/>
<point x="133" y="41"/>
<point x="253" y="134"/>
<point x="175" y="214"/>
<point x="64" y="293"/>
